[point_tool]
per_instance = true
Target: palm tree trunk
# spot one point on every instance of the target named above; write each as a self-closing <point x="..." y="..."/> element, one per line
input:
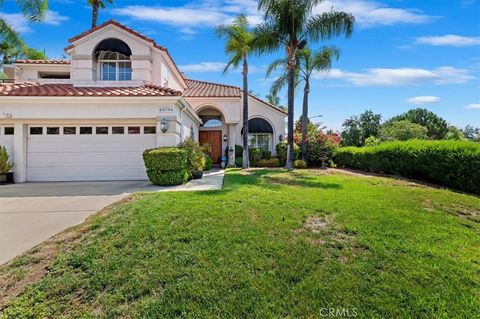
<point x="291" y="107"/>
<point x="94" y="13"/>
<point x="306" y="91"/>
<point x="245" y="163"/>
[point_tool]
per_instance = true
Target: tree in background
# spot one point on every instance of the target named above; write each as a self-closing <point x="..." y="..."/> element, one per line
<point x="307" y="63"/>
<point x="454" y="133"/>
<point x="471" y="133"/>
<point x="291" y="24"/>
<point x="357" y="129"/>
<point x="274" y="99"/>
<point x="11" y="52"/>
<point x="96" y="5"/>
<point x="240" y="44"/>
<point x="436" y="126"/>
<point x="32" y="10"/>
<point x="403" y="130"/>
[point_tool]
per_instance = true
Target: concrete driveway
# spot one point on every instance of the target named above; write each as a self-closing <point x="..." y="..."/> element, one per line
<point x="30" y="213"/>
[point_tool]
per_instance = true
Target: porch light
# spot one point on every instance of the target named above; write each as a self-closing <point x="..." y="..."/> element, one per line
<point x="225" y="137"/>
<point x="164" y="125"/>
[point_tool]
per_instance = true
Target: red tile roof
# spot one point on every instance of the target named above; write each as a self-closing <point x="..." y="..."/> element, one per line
<point x="129" y="30"/>
<point x="35" y="89"/>
<point x="208" y="89"/>
<point x="42" y="61"/>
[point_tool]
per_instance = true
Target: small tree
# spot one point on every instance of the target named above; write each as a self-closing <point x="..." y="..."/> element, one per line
<point x="403" y="130"/>
<point x="5" y="164"/>
<point x="437" y="127"/>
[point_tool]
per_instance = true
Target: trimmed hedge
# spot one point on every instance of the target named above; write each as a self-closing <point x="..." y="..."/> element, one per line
<point x="300" y="164"/>
<point x="166" y="165"/>
<point x="168" y="178"/>
<point x="272" y="162"/>
<point x="454" y="164"/>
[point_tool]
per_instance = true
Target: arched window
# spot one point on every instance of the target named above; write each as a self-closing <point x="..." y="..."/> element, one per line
<point x="113" y="60"/>
<point x="260" y="134"/>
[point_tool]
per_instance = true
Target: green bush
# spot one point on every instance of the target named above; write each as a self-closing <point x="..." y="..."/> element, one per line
<point x="238" y="161"/>
<point x="300" y="164"/>
<point x="166" y="165"/>
<point x="271" y="162"/>
<point x="238" y="151"/>
<point x="168" y="178"/>
<point x="452" y="163"/>
<point x="282" y="152"/>
<point x="266" y="154"/>
<point x="195" y="157"/>
<point x="208" y="163"/>
<point x="254" y="156"/>
<point x="165" y="159"/>
<point x="5" y="164"/>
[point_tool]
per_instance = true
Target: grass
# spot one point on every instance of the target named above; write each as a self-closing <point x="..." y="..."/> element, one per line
<point x="271" y="244"/>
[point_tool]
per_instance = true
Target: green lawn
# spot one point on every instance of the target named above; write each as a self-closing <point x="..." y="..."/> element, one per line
<point x="271" y="244"/>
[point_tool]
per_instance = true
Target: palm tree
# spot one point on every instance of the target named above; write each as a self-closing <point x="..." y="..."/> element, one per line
<point x="307" y="63"/>
<point x="290" y="23"/>
<point x="33" y="10"/>
<point x="97" y="4"/>
<point x="240" y="44"/>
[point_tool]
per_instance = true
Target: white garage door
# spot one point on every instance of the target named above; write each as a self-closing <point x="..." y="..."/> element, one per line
<point x="88" y="153"/>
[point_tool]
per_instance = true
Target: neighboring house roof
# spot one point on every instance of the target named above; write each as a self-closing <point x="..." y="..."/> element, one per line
<point x="208" y="89"/>
<point x="129" y="30"/>
<point x="42" y="62"/>
<point x="35" y="89"/>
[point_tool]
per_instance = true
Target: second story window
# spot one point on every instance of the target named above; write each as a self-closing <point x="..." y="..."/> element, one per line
<point x="114" y="66"/>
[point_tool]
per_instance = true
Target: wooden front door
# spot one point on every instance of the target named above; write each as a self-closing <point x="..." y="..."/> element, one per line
<point x="214" y="139"/>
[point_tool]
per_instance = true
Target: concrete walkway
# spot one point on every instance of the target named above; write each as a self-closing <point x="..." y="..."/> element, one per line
<point x="30" y="213"/>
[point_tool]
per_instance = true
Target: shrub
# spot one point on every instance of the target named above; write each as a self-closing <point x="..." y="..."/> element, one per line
<point x="254" y="156"/>
<point x="208" y="163"/>
<point x="282" y="152"/>
<point x="272" y="162"/>
<point x="5" y="164"/>
<point x="238" y="150"/>
<point x="454" y="164"/>
<point x="266" y="154"/>
<point x="165" y="159"/>
<point x="238" y="161"/>
<point x="195" y="157"/>
<point x="168" y="178"/>
<point x="166" y="165"/>
<point x="300" y="164"/>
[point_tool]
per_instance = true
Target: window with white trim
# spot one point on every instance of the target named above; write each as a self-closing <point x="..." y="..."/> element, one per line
<point x="114" y="66"/>
<point x="260" y="140"/>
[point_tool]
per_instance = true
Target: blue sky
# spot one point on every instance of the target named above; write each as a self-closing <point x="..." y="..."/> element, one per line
<point x="402" y="54"/>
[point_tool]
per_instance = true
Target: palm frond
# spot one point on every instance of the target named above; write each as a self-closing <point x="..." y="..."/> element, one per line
<point x="329" y="24"/>
<point x="33" y="10"/>
<point x="276" y="64"/>
<point x="9" y="35"/>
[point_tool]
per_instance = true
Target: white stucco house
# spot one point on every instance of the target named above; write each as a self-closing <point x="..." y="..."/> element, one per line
<point x="90" y="118"/>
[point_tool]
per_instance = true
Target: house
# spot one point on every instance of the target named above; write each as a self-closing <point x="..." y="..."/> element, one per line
<point x="90" y="118"/>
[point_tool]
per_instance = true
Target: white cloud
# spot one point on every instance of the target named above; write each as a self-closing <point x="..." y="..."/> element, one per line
<point x="20" y="24"/>
<point x="17" y="21"/>
<point x="54" y="18"/>
<point x="373" y="13"/>
<point x="203" y="67"/>
<point x="473" y="106"/>
<point x="401" y="76"/>
<point x="448" y="39"/>
<point x="422" y="100"/>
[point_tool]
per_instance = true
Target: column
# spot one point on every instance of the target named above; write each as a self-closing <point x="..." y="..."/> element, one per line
<point x="231" y="145"/>
<point x="20" y="152"/>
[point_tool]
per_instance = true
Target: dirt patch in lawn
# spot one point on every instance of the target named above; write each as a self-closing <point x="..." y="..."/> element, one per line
<point x="31" y="266"/>
<point x="323" y="231"/>
<point x="459" y="210"/>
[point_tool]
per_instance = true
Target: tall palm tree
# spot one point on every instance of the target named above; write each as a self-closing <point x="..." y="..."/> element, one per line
<point x="96" y="5"/>
<point x="291" y="23"/>
<point x="240" y="44"/>
<point x="307" y="63"/>
<point x="33" y="10"/>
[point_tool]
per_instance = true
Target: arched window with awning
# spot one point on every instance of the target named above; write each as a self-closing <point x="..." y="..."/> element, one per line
<point x="260" y="133"/>
<point x="113" y="58"/>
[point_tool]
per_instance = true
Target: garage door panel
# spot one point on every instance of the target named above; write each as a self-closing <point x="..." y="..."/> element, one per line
<point x="83" y="158"/>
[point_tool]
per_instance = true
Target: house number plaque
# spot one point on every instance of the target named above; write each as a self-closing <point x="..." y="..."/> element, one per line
<point x="166" y="109"/>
